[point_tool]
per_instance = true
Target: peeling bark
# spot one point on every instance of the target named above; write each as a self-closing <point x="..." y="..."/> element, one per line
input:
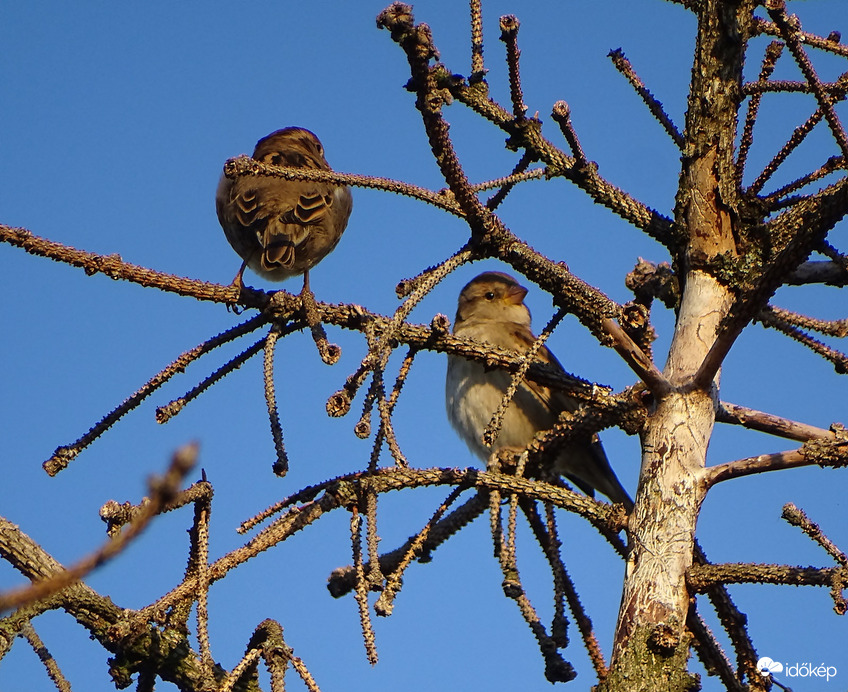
<point x="651" y="645"/>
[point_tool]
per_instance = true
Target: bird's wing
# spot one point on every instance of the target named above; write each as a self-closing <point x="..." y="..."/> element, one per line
<point x="281" y="216"/>
<point x="596" y="474"/>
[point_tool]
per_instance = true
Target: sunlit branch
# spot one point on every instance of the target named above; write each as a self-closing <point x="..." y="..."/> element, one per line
<point x="114" y="267"/>
<point x="64" y="454"/>
<point x="342" y="492"/>
<point x="797" y="517"/>
<point x="832" y="45"/>
<point x="171" y="409"/>
<point x="836" y="454"/>
<point x="245" y="165"/>
<point x="769" y="423"/>
<point x="361" y="590"/>
<point x="281" y="464"/>
<point x="50" y="665"/>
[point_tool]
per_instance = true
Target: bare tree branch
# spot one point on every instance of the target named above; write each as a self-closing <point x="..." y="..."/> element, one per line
<point x="162" y="490"/>
<point x="769" y="423"/>
<point x="622" y="64"/>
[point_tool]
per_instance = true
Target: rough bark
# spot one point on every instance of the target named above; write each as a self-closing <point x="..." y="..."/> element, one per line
<point x="651" y="643"/>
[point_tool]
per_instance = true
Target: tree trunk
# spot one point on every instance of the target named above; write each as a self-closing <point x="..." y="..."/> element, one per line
<point x="651" y="646"/>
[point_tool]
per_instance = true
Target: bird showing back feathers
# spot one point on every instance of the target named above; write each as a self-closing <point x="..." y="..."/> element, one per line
<point x="491" y="309"/>
<point x="282" y="228"/>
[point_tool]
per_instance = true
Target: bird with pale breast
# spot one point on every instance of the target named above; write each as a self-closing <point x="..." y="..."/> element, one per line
<point x="282" y="228"/>
<point x="491" y="309"/>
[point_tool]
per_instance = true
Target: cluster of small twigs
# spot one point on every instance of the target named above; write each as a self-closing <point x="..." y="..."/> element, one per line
<point x="778" y="214"/>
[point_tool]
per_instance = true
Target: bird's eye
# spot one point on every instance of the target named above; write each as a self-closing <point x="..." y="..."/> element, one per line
<point x="490" y="295"/>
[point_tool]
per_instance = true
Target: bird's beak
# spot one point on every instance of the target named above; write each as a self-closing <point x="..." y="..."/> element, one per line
<point x="515" y="295"/>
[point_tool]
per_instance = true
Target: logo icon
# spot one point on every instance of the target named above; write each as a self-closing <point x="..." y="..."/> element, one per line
<point x="766" y="666"/>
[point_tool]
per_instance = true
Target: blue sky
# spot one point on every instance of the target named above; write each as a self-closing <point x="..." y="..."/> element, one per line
<point x="117" y="120"/>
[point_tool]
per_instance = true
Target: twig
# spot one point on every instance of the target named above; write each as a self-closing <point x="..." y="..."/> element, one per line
<point x="165" y="413"/>
<point x="508" y="183"/>
<point x="411" y="550"/>
<point x="556" y="668"/>
<point x="477" y="69"/>
<point x="832" y="273"/>
<point x="161" y="491"/>
<point x="762" y="26"/>
<point x="198" y="566"/>
<point x="837" y="328"/>
<point x="44" y="655"/>
<point x="361" y="590"/>
<point x="635" y="357"/>
<point x="773" y="51"/>
<point x="710" y="652"/>
<point x="561" y="114"/>
<point x="769" y="423"/>
<point x="824" y="453"/>
<point x="330" y="353"/>
<point x="114" y="267"/>
<point x="63" y="455"/>
<point x="490" y="434"/>
<point x="790" y="34"/>
<point x="769" y="318"/>
<point x="798" y="135"/>
<point x="832" y="253"/>
<point x="509" y="35"/>
<point x="622" y="64"/>
<point x="118" y="515"/>
<point x="342" y="580"/>
<point x="550" y="543"/>
<point x="281" y="465"/>
<point x="797" y="517"/>
<point x="834" y="163"/>
<point x="249" y="660"/>
<point x="702" y="577"/>
<point x="245" y="165"/>
<point x="735" y="624"/>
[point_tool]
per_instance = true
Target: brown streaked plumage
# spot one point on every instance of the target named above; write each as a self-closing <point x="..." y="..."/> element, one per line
<point x="491" y="309"/>
<point x="282" y="228"/>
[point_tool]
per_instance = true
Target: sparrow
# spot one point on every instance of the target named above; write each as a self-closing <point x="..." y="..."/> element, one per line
<point x="282" y="228"/>
<point x="491" y="309"/>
